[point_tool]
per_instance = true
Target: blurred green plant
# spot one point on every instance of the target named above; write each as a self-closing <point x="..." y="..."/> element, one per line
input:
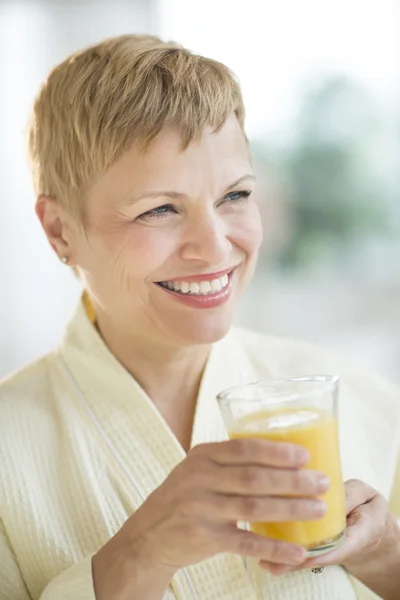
<point x="333" y="192"/>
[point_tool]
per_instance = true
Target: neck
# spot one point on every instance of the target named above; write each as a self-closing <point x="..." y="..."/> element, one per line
<point x="170" y="375"/>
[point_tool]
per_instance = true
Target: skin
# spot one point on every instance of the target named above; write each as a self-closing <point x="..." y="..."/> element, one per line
<point x="120" y="254"/>
<point x="371" y="550"/>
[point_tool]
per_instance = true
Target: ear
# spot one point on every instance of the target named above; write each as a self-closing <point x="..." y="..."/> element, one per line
<point x="54" y="220"/>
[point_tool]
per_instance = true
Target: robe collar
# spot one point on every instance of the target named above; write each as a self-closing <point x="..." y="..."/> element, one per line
<point x="142" y="443"/>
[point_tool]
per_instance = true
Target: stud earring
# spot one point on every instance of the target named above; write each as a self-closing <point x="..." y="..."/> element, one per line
<point x="64" y="260"/>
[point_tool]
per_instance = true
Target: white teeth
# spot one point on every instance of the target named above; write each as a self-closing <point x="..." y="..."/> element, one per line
<point x="194" y="288"/>
<point x="216" y="285"/>
<point x="205" y="287"/>
<point x="198" y="288"/>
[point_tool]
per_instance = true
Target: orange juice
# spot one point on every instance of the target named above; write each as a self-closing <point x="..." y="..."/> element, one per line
<point x="317" y="431"/>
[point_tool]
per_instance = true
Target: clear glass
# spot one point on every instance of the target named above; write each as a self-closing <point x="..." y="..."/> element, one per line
<point x="302" y="411"/>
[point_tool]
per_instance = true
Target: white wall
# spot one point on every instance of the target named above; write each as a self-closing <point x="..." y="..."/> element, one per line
<point x="37" y="293"/>
<point x="275" y="47"/>
<point x="272" y="46"/>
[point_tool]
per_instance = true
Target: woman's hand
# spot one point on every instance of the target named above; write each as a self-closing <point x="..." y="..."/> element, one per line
<point x="193" y="515"/>
<point x="371" y="549"/>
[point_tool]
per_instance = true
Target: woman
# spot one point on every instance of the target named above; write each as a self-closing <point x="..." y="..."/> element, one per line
<point x="116" y="479"/>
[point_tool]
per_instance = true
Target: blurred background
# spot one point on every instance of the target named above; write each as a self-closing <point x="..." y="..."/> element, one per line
<point x="321" y="82"/>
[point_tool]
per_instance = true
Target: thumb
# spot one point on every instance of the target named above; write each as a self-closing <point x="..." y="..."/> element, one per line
<point x="363" y="526"/>
<point x="357" y="493"/>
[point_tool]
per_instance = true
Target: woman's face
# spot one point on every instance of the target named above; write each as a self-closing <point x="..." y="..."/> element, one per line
<point x="173" y="237"/>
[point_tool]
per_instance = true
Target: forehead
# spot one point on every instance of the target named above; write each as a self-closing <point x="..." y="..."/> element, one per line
<point x="215" y="159"/>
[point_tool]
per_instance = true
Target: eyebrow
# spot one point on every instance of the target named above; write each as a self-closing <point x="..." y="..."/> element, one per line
<point x="175" y="195"/>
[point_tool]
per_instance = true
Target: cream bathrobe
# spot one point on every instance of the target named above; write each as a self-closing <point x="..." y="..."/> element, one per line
<point x="81" y="447"/>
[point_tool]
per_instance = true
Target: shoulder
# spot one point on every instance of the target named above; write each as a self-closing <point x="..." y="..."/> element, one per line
<point x="369" y="405"/>
<point x="29" y="426"/>
<point x="26" y="402"/>
<point x="27" y="384"/>
<point x="287" y="357"/>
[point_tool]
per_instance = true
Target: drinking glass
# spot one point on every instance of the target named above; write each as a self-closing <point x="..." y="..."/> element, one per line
<point x="302" y="411"/>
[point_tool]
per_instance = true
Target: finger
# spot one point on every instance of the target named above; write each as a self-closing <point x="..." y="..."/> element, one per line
<point x="250" y="544"/>
<point x="357" y="493"/>
<point x="339" y="556"/>
<point x="366" y="517"/>
<point x="278" y="569"/>
<point x="255" y="451"/>
<point x="265" y="508"/>
<point x="253" y="480"/>
<point x="364" y="526"/>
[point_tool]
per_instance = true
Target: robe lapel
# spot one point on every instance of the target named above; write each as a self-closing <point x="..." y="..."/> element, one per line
<point x="227" y="366"/>
<point x="143" y="444"/>
<point x="369" y="430"/>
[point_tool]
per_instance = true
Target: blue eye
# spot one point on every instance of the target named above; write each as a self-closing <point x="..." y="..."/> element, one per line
<point x="159" y="212"/>
<point x="238" y="197"/>
<point x="166" y="210"/>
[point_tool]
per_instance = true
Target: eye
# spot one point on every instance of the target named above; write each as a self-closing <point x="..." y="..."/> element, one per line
<point x="159" y="213"/>
<point x="239" y="197"/>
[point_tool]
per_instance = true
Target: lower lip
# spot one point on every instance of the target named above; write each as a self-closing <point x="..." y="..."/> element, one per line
<point x="209" y="301"/>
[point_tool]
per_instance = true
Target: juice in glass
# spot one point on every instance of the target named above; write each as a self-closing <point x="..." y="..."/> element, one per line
<point x="295" y="411"/>
<point x="316" y="431"/>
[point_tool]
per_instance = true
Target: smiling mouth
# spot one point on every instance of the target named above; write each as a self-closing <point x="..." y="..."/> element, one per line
<point x="198" y="288"/>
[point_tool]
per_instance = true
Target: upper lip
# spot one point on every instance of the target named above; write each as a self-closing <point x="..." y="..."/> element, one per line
<point x="201" y="277"/>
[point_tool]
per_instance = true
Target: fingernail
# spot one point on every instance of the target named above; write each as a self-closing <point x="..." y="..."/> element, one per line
<point x="322" y="562"/>
<point x="296" y="555"/>
<point x="319" y="508"/>
<point x="323" y="484"/>
<point x="302" y="456"/>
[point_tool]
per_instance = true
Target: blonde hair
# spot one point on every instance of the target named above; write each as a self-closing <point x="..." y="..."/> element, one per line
<point x="100" y="100"/>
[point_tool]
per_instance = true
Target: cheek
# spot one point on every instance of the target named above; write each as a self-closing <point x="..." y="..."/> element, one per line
<point x="140" y="250"/>
<point x="153" y="244"/>
<point x="248" y="232"/>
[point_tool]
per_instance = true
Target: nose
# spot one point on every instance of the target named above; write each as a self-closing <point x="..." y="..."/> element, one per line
<point x="206" y="240"/>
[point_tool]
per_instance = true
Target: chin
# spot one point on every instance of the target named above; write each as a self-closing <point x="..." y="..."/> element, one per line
<point x="204" y="330"/>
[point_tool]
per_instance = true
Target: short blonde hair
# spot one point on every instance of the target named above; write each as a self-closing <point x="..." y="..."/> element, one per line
<point x="100" y="100"/>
